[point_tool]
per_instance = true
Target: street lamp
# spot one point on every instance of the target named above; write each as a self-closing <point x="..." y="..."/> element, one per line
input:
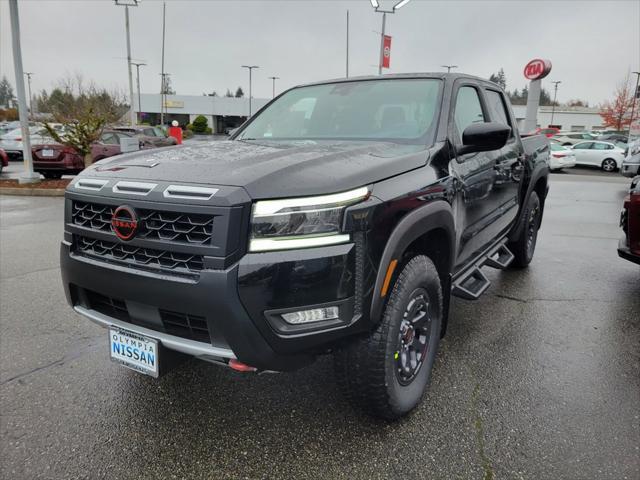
<point x="274" y="85"/>
<point x="28" y="74"/>
<point x="126" y="4"/>
<point x="250" y="67"/>
<point x="376" y="5"/>
<point x="138" y="65"/>
<point x="449" y="67"/>
<point x="555" y="94"/>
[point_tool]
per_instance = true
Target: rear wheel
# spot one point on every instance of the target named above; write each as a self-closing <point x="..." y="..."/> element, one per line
<point x="525" y="246"/>
<point x="609" y="165"/>
<point x="386" y="372"/>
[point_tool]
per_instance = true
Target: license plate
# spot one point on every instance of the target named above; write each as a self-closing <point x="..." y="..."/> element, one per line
<point x="134" y="351"/>
<point x="47" y="152"/>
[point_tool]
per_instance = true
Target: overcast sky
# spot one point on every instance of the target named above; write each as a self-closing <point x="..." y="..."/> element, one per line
<point x="592" y="44"/>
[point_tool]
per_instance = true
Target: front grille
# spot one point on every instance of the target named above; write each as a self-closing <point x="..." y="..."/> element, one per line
<point x="108" y="306"/>
<point x="175" y="227"/>
<point x="184" y="325"/>
<point x="139" y="257"/>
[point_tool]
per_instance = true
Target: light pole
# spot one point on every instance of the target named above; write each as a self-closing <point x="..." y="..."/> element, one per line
<point x="127" y="4"/>
<point x="274" y="85"/>
<point x="29" y="176"/>
<point x="28" y="74"/>
<point x="163" y="96"/>
<point x="555" y="94"/>
<point x="138" y="65"/>
<point x="250" y="67"/>
<point x="376" y="5"/>
<point x="449" y="67"/>
<point x="636" y="92"/>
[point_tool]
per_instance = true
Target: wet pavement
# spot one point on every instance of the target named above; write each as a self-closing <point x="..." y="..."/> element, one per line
<point x="539" y="379"/>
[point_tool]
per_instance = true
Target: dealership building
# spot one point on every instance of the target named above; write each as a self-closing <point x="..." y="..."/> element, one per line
<point x="230" y="112"/>
<point x="220" y="112"/>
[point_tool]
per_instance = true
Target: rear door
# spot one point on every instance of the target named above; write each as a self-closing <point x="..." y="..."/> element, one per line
<point x="476" y="173"/>
<point x="509" y="165"/>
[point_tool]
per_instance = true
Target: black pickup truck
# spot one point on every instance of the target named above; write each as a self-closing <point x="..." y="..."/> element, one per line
<point x="338" y="219"/>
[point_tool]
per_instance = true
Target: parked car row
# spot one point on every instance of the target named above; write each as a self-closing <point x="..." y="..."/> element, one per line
<point x="605" y="155"/>
<point x="53" y="160"/>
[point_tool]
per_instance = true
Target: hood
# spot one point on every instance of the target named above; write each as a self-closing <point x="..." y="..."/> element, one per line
<point x="268" y="169"/>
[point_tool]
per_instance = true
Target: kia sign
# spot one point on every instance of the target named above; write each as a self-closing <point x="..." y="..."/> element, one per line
<point x="537" y="69"/>
<point x="386" y="52"/>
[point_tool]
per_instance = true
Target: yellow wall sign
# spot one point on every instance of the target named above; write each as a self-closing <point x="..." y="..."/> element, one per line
<point x="173" y="104"/>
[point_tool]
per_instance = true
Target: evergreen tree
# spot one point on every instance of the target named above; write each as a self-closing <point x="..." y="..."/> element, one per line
<point x="7" y="96"/>
<point x="239" y="93"/>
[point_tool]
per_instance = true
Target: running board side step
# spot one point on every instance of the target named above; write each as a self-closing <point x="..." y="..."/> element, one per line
<point x="501" y="258"/>
<point x="472" y="283"/>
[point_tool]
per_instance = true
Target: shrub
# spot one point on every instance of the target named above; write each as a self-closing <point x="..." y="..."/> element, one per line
<point x="187" y="134"/>
<point x="209" y="131"/>
<point x="189" y="127"/>
<point x="200" y="124"/>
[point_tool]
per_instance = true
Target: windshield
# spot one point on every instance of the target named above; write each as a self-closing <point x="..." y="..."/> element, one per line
<point x="402" y="110"/>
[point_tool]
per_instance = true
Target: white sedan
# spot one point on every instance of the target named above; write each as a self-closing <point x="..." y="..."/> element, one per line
<point x="599" y="154"/>
<point x="12" y="142"/>
<point x="561" y="157"/>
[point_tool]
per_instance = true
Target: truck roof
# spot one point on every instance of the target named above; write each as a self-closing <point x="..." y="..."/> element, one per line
<point x="437" y="75"/>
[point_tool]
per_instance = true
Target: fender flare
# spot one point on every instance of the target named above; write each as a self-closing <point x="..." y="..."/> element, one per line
<point x="436" y="215"/>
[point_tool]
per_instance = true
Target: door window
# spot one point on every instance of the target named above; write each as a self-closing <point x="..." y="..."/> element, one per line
<point x="583" y="146"/>
<point x="497" y="108"/>
<point x="468" y="110"/>
<point x="109" y="139"/>
<point x="601" y="146"/>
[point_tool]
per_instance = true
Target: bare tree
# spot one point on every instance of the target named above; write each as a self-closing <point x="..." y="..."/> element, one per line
<point x="83" y="109"/>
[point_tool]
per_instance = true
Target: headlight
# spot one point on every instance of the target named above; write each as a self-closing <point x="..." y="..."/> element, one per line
<point x="301" y="222"/>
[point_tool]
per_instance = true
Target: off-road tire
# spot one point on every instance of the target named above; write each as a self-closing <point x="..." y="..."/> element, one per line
<point x="367" y="370"/>
<point x="525" y="246"/>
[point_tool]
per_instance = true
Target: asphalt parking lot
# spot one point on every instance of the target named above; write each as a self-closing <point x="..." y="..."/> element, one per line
<point x="538" y="379"/>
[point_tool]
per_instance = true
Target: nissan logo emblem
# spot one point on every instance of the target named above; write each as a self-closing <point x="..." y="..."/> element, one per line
<point x="124" y="222"/>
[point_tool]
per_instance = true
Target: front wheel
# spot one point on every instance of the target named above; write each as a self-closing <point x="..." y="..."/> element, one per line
<point x="609" y="165"/>
<point x="387" y="371"/>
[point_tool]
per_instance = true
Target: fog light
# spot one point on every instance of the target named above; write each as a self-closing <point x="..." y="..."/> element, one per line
<point x="308" y="316"/>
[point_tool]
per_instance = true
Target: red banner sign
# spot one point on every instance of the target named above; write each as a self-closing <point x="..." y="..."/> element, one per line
<point x="386" y="51"/>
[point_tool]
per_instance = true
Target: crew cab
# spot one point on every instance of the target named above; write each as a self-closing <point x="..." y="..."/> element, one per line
<point x="338" y="219"/>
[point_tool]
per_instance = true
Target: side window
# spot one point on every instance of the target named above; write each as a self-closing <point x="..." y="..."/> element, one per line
<point x="468" y="110"/>
<point x="599" y="146"/>
<point x="497" y="108"/>
<point x="583" y="146"/>
<point x="109" y="139"/>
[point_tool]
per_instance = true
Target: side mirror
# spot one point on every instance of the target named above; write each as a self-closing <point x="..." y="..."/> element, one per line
<point x="484" y="137"/>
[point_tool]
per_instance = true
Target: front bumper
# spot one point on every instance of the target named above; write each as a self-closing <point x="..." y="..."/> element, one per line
<point x="238" y="303"/>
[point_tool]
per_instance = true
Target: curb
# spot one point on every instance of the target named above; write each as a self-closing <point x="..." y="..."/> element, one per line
<point x="33" y="192"/>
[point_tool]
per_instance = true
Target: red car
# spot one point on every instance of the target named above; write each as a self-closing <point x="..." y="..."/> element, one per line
<point x="4" y="159"/>
<point x="547" y="132"/>
<point x="54" y="160"/>
<point x="629" y="246"/>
